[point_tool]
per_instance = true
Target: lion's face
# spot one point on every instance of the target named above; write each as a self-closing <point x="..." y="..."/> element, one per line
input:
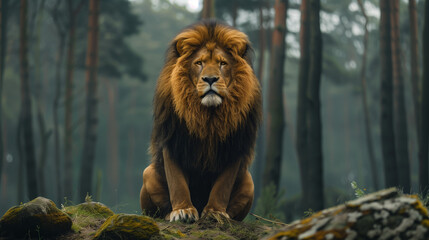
<point x="210" y="71"/>
<point x="210" y="81"/>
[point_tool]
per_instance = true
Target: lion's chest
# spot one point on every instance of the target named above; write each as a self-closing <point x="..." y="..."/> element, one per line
<point x="207" y="155"/>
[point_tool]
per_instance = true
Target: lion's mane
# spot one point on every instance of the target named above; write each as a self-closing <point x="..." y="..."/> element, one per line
<point x="203" y="140"/>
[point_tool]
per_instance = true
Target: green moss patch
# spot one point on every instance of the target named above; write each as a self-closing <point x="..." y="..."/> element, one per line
<point x="88" y="214"/>
<point x="127" y="226"/>
<point x="37" y="218"/>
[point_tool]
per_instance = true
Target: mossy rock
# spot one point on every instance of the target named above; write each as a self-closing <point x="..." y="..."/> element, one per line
<point x="88" y="215"/>
<point x="127" y="226"/>
<point x="37" y="218"/>
<point x="89" y="209"/>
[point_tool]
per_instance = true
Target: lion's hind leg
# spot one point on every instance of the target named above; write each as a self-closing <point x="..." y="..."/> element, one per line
<point x="154" y="198"/>
<point x="241" y="197"/>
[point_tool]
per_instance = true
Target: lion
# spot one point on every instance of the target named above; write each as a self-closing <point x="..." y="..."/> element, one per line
<point x="207" y="109"/>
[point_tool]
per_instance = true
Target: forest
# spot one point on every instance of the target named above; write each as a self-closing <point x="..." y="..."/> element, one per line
<point x="345" y="88"/>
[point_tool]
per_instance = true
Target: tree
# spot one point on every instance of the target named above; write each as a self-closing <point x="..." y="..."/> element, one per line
<point x="309" y="132"/>
<point x="386" y="124"/>
<point x="59" y="25"/>
<point x="368" y="126"/>
<point x="73" y="12"/>
<point x="275" y="118"/>
<point x="26" y="118"/>
<point x="414" y="64"/>
<point x="208" y="9"/>
<point x="424" y="113"/>
<point x="4" y="4"/>
<point x="400" y="114"/>
<point x="90" y="138"/>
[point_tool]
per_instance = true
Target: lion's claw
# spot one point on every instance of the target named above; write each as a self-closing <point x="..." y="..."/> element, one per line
<point x="184" y="215"/>
<point x="219" y="216"/>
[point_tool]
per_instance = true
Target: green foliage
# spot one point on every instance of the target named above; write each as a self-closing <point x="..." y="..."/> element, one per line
<point x="308" y="213"/>
<point x="358" y="191"/>
<point x="270" y="204"/>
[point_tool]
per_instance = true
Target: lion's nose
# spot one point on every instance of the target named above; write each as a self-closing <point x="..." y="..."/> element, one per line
<point x="210" y="80"/>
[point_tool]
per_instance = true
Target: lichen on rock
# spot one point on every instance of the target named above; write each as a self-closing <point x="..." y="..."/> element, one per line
<point x="386" y="214"/>
<point x="127" y="226"/>
<point x="37" y="218"/>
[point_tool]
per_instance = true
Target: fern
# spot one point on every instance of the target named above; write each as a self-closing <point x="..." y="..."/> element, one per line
<point x="358" y="191"/>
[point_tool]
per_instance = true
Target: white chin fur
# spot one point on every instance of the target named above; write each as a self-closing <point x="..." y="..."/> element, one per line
<point x="211" y="100"/>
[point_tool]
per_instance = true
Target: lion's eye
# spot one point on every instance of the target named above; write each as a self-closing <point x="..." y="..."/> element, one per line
<point x="222" y="63"/>
<point x="199" y="63"/>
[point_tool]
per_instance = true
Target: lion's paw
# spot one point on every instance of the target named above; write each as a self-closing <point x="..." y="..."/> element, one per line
<point x="185" y="215"/>
<point x="217" y="215"/>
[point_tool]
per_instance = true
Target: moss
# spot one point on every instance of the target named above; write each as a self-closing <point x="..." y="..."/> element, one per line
<point x="418" y="205"/>
<point x="88" y="214"/>
<point x="292" y="233"/>
<point x="212" y="234"/>
<point x="127" y="226"/>
<point x="89" y="209"/>
<point x="425" y="223"/>
<point x="39" y="217"/>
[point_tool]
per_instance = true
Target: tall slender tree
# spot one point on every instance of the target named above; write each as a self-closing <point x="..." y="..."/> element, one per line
<point x="26" y="115"/>
<point x="73" y="12"/>
<point x="208" y="11"/>
<point x="90" y="138"/>
<point x="387" y="125"/>
<point x="275" y="118"/>
<point x="4" y="4"/>
<point x="414" y="63"/>
<point x="309" y="132"/>
<point x="424" y="113"/>
<point x="368" y="126"/>
<point x="258" y="164"/>
<point x="400" y="114"/>
<point x="59" y="25"/>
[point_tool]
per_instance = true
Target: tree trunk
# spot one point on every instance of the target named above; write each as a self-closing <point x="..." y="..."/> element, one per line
<point x="43" y="135"/>
<point x="415" y="71"/>
<point x="314" y="123"/>
<point x="309" y="132"/>
<point x="21" y="163"/>
<point x="386" y="124"/>
<point x="57" y="96"/>
<point x="26" y="115"/>
<point x="368" y="126"/>
<point x="400" y="114"/>
<point x="275" y="118"/>
<point x="88" y="156"/>
<point x="301" y="128"/>
<point x="424" y="113"/>
<point x="112" y="139"/>
<point x="68" y="101"/>
<point x="370" y="217"/>
<point x="208" y="10"/>
<point x="4" y="4"/>
<point x="258" y="164"/>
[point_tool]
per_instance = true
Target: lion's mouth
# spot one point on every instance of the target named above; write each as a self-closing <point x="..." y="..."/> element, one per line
<point x="211" y="99"/>
<point x="210" y="92"/>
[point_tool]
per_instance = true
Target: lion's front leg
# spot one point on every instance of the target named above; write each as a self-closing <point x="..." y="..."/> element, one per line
<point x="178" y="188"/>
<point x="221" y="192"/>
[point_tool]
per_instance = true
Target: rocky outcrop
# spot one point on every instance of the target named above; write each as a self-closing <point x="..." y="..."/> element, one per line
<point x="37" y="218"/>
<point x="382" y="215"/>
<point x="127" y="226"/>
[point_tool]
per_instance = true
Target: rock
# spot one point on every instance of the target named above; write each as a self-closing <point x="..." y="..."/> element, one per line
<point x="127" y="226"/>
<point x="88" y="215"/>
<point x="89" y="209"/>
<point x="37" y="218"/>
<point x="382" y="215"/>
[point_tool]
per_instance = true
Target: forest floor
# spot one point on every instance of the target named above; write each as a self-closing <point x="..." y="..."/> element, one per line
<point x="202" y="229"/>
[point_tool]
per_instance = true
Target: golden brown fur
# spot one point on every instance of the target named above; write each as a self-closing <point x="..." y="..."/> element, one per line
<point x="201" y="147"/>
